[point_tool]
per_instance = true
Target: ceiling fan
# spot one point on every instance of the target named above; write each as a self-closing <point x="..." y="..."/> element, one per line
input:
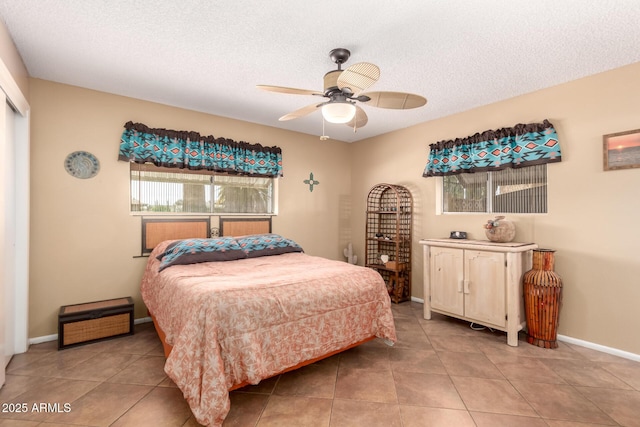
<point x="343" y="88"/>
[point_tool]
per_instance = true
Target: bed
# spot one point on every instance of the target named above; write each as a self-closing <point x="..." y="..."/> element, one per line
<point x="236" y="321"/>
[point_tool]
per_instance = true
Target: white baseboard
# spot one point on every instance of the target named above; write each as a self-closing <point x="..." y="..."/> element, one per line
<point x="54" y="337"/>
<point x="598" y="347"/>
<point x="586" y="344"/>
<point x="45" y="338"/>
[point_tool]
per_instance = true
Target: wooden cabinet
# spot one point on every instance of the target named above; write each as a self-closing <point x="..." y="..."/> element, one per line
<point x="478" y="281"/>
<point x="388" y="237"/>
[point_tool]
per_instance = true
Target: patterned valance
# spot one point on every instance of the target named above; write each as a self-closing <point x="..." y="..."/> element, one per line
<point x="519" y="146"/>
<point x="190" y="150"/>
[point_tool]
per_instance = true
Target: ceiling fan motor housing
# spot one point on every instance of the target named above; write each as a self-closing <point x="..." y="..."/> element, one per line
<point x="331" y="82"/>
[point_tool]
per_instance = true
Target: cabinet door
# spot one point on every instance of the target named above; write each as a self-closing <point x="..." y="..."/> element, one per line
<point x="484" y="287"/>
<point x="446" y="280"/>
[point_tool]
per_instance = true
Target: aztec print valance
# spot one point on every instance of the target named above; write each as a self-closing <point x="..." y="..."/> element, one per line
<point x="520" y="146"/>
<point x="190" y="150"/>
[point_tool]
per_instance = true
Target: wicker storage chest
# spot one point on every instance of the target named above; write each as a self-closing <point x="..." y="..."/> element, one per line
<point x="93" y="321"/>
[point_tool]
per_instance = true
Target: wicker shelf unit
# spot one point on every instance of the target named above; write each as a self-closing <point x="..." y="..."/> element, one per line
<point x="388" y="234"/>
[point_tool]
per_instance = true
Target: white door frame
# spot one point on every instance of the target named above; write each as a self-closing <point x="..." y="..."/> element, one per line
<point x="23" y="224"/>
<point x="19" y="149"/>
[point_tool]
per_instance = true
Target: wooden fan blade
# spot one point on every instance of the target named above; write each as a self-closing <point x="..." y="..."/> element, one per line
<point x="288" y="90"/>
<point x="299" y="112"/>
<point x="395" y="100"/>
<point x="359" y="120"/>
<point x="359" y="77"/>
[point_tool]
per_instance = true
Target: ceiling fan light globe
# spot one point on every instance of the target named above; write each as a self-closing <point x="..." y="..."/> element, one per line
<point x="338" y="112"/>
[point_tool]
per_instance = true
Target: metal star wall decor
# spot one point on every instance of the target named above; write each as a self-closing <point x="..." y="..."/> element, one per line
<point x="311" y="182"/>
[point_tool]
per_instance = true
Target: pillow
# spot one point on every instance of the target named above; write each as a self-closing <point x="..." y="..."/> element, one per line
<point x="258" y="245"/>
<point x="191" y="251"/>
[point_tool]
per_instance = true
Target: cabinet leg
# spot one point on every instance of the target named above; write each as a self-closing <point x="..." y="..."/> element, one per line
<point x="426" y="309"/>
<point x="512" y="328"/>
<point x="512" y="338"/>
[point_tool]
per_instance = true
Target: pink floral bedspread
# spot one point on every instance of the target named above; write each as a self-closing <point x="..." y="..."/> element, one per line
<point x="247" y="320"/>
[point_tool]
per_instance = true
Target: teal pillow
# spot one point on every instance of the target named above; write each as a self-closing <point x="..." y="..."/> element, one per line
<point x="267" y="244"/>
<point x="191" y="251"/>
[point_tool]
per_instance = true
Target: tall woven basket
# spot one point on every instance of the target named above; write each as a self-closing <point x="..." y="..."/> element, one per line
<point x="542" y="300"/>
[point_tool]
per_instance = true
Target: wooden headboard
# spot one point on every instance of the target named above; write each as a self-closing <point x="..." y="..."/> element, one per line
<point x="244" y="226"/>
<point x="156" y="230"/>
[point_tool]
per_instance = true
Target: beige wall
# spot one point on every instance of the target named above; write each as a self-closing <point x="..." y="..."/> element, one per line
<point x="593" y="215"/>
<point x="83" y="239"/>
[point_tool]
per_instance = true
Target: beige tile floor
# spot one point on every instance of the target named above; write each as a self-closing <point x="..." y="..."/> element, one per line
<point x="440" y="373"/>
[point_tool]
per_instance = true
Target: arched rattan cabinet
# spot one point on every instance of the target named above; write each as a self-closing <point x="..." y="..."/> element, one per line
<point x="388" y="234"/>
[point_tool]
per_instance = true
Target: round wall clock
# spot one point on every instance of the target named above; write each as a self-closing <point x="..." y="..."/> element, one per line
<point x="82" y="165"/>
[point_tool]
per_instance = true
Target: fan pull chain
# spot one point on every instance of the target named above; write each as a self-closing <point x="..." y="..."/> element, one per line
<point x="323" y="137"/>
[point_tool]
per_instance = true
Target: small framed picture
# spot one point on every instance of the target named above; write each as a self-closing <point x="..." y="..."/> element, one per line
<point x="621" y="150"/>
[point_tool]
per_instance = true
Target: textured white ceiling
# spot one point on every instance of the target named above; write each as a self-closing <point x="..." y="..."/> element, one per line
<point x="208" y="55"/>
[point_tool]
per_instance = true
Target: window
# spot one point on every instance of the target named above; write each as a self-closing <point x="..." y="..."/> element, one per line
<point x="155" y="189"/>
<point x="522" y="190"/>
